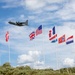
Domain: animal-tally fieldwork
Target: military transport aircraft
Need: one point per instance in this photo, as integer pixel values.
(19, 23)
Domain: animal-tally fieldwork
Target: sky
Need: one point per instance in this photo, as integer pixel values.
(39, 53)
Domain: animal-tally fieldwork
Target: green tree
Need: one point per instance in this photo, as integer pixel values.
(7, 64)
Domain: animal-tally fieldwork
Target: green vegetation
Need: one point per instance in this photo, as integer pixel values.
(7, 69)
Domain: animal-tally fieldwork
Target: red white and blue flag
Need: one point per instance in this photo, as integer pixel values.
(52, 35)
(52, 32)
(39, 30)
(53, 38)
(61, 39)
(7, 36)
(69, 40)
(32, 35)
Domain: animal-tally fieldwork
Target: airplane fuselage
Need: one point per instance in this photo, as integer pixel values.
(19, 23)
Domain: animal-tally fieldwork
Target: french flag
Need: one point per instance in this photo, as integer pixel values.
(52, 35)
(69, 40)
(52, 32)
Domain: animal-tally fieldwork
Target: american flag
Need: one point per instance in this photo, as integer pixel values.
(39, 30)
(7, 36)
(32, 35)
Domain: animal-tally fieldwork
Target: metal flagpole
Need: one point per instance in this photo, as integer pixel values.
(7, 40)
(57, 58)
(0, 59)
(9, 50)
(44, 51)
(44, 59)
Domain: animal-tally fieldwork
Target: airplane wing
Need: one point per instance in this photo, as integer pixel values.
(12, 23)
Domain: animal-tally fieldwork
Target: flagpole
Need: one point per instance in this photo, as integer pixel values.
(9, 50)
(44, 60)
(0, 59)
(57, 59)
(7, 40)
(44, 52)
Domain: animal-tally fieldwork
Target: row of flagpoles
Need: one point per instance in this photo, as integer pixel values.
(52, 36)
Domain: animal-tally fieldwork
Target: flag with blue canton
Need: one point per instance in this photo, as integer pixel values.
(32, 35)
(39, 30)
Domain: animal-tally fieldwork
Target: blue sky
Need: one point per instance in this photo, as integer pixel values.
(40, 52)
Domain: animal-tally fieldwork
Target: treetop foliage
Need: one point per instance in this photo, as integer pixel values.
(7, 69)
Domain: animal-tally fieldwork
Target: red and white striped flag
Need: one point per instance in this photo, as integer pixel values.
(39, 30)
(7, 36)
(32, 35)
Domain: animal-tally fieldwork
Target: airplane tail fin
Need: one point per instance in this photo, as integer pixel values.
(26, 22)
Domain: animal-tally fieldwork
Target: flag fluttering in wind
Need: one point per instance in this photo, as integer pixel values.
(69, 40)
(32, 35)
(61, 39)
(39, 30)
(52, 35)
(7, 36)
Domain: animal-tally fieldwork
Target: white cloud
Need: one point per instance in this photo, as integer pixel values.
(42, 66)
(71, 5)
(28, 58)
(22, 17)
(38, 63)
(51, 8)
(30, 4)
(68, 10)
(25, 59)
(42, 6)
(54, 1)
(34, 4)
(34, 53)
(31, 59)
(31, 17)
(69, 62)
